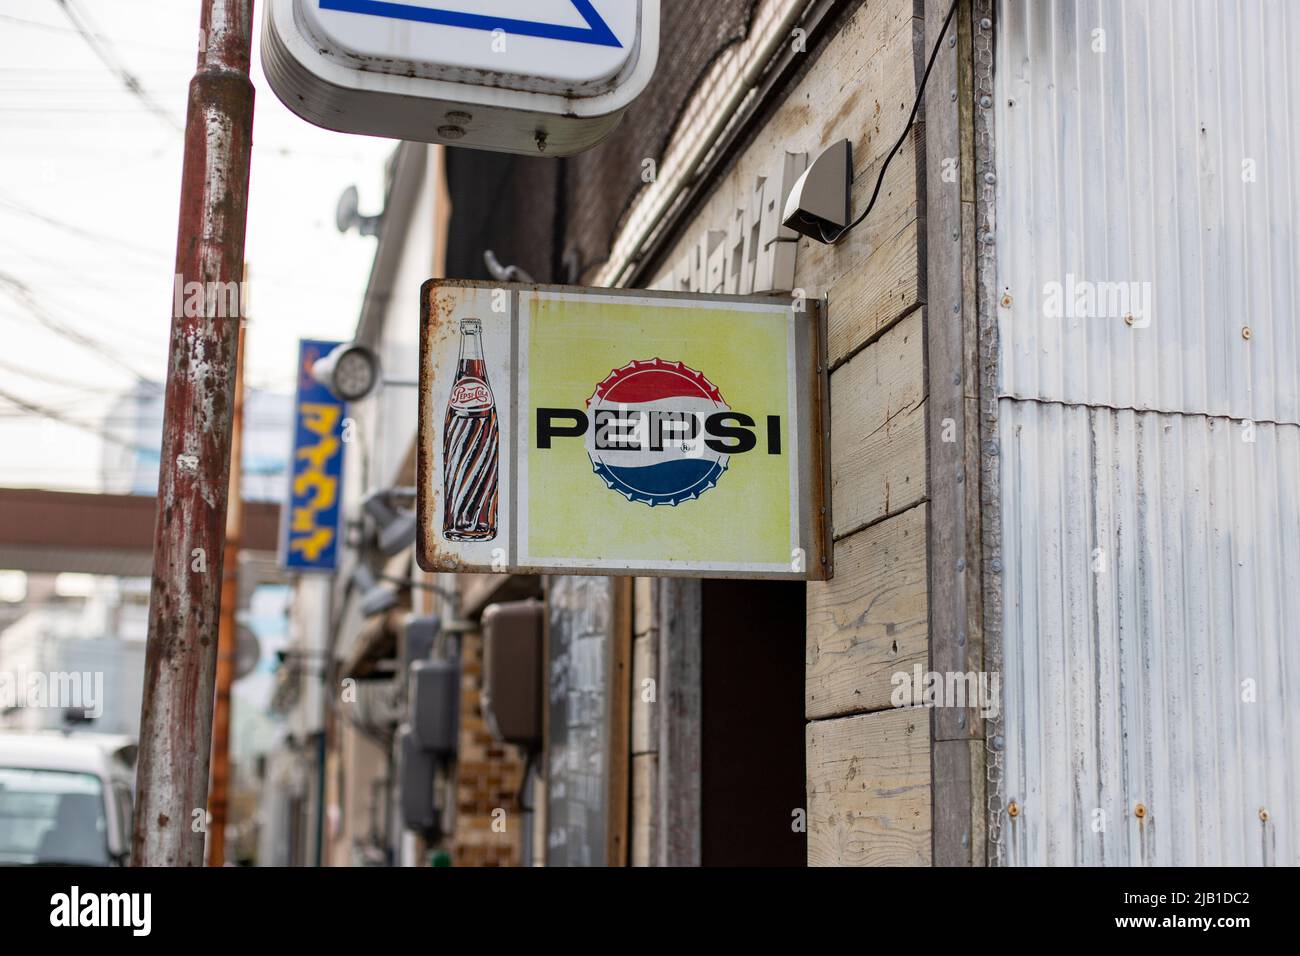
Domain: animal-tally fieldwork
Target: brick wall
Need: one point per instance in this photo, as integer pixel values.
(488, 776)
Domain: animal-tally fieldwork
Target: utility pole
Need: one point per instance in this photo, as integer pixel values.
(228, 640)
(189, 530)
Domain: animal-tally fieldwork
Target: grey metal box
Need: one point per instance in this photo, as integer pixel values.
(435, 705)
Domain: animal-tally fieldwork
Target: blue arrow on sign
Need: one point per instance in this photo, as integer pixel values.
(596, 32)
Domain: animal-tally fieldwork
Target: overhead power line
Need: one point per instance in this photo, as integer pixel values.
(116, 242)
(46, 412)
(24, 296)
(103, 49)
(55, 28)
(56, 380)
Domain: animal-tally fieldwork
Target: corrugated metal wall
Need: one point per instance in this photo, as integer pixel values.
(1148, 245)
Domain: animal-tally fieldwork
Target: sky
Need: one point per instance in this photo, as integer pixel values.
(89, 194)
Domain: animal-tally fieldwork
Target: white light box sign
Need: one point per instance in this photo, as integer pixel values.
(549, 77)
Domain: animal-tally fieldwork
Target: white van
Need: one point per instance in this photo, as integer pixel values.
(65, 799)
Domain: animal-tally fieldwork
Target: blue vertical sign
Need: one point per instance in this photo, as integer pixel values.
(309, 525)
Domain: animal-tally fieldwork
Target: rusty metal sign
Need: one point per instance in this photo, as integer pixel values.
(571, 430)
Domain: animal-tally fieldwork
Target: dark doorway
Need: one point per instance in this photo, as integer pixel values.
(752, 710)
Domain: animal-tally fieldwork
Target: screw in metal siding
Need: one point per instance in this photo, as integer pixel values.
(999, 742)
(986, 24)
(1263, 815)
(1128, 319)
(991, 448)
(961, 564)
(1006, 300)
(961, 638)
(986, 101)
(988, 238)
(1140, 811)
(965, 840)
(952, 41)
(956, 308)
(990, 178)
(451, 132)
(996, 565)
(954, 235)
(1013, 809)
(1245, 332)
(961, 720)
(953, 96)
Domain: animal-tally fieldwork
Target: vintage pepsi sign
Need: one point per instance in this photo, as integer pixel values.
(548, 77)
(618, 432)
(309, 522)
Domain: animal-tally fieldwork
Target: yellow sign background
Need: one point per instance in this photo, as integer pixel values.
(572, 346)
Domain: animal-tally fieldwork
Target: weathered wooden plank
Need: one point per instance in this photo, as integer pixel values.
(953, 446)
(645, 713)
(869, 621)
(951, 764)
(864, 86)
(677, 783)
(878, 429)
(644, 769)
(897, 202)
(869, 790)
(869, 299)
(620, 737)
(643, 610)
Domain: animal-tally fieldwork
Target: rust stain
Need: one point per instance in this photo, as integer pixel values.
(842, 115)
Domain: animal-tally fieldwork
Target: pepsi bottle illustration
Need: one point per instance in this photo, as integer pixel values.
(470, 446)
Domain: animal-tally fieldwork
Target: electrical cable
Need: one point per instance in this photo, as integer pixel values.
(23, 295)
(46, 412)
(934, 55)
(117, 242)
(104, 50)
(55, 28)
(57, 382)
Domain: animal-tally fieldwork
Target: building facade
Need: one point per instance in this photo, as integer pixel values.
(1064, 366)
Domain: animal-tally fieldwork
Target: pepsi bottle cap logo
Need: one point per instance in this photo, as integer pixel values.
(646, 439)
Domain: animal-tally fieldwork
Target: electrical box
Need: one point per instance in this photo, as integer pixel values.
(435, 706)
(512, 672)
(418, 772)
(421, 632)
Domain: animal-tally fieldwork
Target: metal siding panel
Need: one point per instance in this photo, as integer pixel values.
(1123, 666)
(1126, 165)
(1151, 553)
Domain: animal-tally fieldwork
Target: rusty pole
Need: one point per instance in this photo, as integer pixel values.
(228, 638)
(189, 530)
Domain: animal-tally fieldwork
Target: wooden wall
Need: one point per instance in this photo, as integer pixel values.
(645, 724)
(868, 764)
